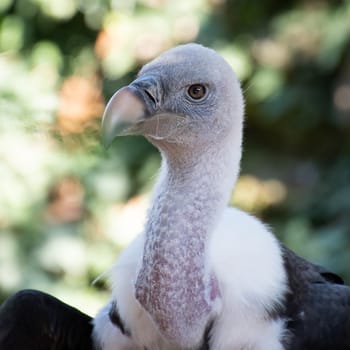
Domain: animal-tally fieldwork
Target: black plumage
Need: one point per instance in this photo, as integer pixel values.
(317, 306)
(116, 320)
(32, 320)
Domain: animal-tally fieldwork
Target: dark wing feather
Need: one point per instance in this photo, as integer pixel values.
(32, 320)
(318, 307)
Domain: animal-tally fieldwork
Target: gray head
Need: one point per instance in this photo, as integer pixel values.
(188, 96)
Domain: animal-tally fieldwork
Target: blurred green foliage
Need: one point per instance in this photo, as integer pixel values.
(67, 207)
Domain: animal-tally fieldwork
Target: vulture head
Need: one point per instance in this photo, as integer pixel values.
(186, 98)
(188, 103)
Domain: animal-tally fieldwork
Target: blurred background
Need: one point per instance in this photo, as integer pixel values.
(67, 207)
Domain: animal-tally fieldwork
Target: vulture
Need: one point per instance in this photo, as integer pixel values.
(201, 275)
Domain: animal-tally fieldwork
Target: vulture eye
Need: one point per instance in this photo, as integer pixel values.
(197, 91)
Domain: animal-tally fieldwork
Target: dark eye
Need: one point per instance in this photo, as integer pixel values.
(197, 91)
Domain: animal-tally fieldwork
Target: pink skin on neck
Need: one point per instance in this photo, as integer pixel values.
(174, 284)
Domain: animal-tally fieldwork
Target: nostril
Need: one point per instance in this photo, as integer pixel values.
(151, 97)
(148, 86)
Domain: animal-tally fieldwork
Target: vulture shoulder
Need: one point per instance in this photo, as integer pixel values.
(318, 306)
(31, 319)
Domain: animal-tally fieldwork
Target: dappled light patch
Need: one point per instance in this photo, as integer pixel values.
(80, 102)
(271, 53)
(186, 28)
(255, 195)
(66, 201)
(342, 98)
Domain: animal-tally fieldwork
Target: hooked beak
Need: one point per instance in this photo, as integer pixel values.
(128, 108)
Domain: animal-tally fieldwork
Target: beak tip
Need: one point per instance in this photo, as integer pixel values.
(107, 137)
(122, 114)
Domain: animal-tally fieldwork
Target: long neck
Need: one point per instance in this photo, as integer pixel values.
(175, 284)
(197, 186)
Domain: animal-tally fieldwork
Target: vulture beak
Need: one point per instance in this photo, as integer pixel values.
(128, 108)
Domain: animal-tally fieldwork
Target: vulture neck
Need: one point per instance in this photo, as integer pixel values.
(175, 283)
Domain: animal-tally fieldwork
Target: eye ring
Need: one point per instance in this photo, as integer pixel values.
(197, 91)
